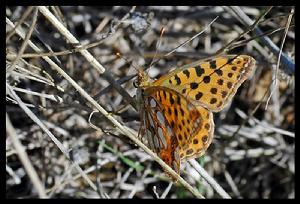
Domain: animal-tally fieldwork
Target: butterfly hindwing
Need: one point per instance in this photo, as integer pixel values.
(200, 141)
(160, 135)
(192, 126)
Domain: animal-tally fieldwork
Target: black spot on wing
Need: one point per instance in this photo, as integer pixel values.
(199, 71)
(194, 85)
(187, 73)
(206, 79)
(198, 95)
(178, 81)
(219, 72)
(212, 64)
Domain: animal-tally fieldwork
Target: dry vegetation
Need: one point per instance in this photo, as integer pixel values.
(53, 151)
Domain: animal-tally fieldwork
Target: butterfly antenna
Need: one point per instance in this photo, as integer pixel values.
(157, 46)
(129, 62)
(183, 44)
(189, 40)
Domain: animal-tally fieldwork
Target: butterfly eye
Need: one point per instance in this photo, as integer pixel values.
(135, 84)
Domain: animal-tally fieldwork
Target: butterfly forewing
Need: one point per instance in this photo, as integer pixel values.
(211, 83)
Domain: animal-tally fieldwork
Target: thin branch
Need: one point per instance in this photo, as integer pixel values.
(245, 41)
(71, 38)
(279, 56)
(105, 73)
(24, 44)
(231, 183)
(33, 117)
(165, 193)
(287, 62)
(48, 96)
(209, 179)
(22, 19)
(82, 47)
(183, 44)
(25, 159)
(251, 27)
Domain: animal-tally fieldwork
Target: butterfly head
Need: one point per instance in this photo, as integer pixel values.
(143, 80)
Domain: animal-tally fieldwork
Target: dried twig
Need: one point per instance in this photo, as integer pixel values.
(288, 64)
(25, 159)
(209, 179)
(45, 129)
(22, 19)
(105, 73)
(24, 44)
(275, 87)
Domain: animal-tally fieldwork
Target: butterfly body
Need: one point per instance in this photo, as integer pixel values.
(176, 109)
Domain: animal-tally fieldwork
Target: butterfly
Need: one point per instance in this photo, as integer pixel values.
(176, 109)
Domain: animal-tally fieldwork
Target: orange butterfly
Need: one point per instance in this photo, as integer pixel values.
(176, 110)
